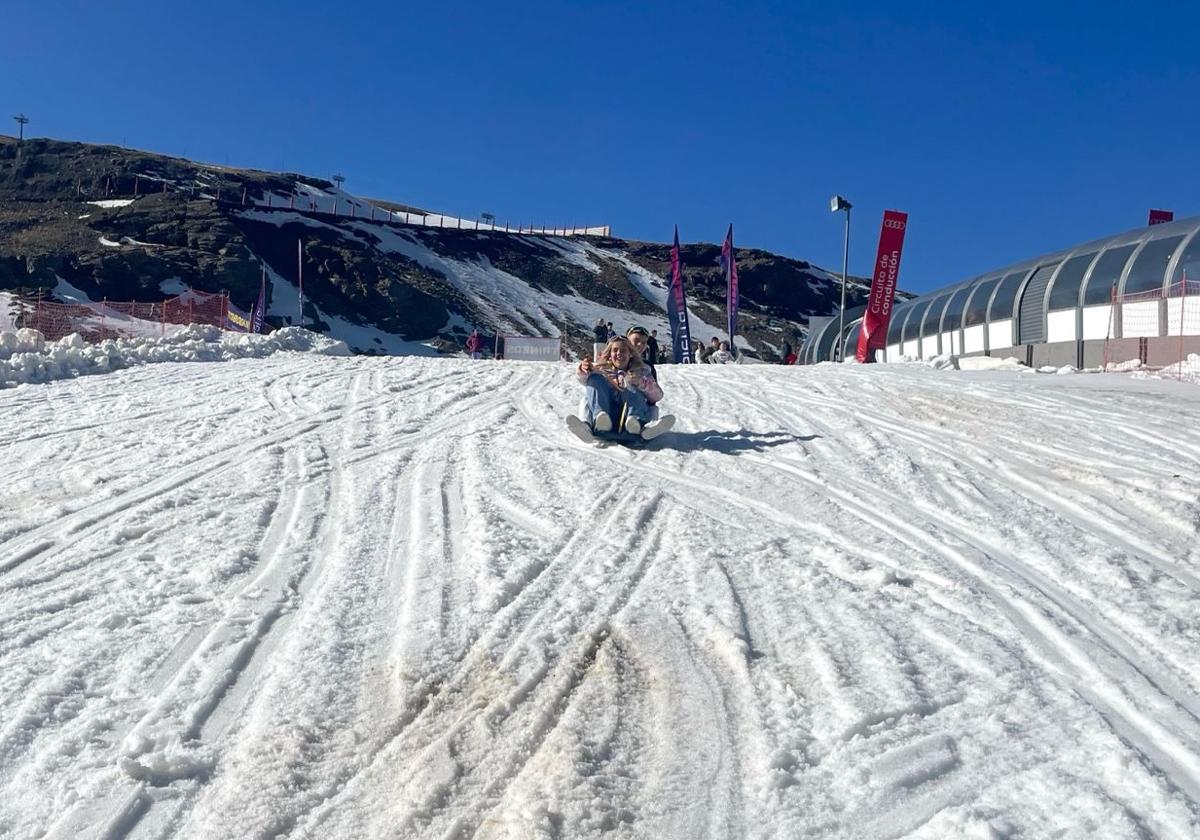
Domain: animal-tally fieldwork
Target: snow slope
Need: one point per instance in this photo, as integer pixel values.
(306, 596)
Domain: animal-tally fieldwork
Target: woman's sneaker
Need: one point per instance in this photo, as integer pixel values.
(633, 425)
(602, 422)
(580, 429)
(657, 427)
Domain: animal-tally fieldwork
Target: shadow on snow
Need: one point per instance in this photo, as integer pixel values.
(742, 440)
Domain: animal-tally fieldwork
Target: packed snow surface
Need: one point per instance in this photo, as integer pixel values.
(316, 597)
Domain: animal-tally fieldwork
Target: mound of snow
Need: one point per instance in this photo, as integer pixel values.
(1187, 371)
(25, 357)
(990, 363)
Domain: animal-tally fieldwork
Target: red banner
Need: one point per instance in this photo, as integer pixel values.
(1157, 217)
(873, 335)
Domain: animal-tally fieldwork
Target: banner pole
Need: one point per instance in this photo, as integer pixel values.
(1112, 311)
(1183, 290)
(300, 278)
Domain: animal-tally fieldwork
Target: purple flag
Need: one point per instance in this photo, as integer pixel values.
(729, 266)
(258, 312)
(681, 336)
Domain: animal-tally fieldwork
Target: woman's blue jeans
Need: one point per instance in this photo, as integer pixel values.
(599, 395)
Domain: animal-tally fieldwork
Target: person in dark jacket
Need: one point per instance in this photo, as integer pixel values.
(600, 331)
(787, 351)
(652, 348)
(640, 339)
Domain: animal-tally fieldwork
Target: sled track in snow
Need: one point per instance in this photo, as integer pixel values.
(832, 603)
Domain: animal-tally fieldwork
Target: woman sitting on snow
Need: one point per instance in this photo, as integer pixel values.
(619, 394)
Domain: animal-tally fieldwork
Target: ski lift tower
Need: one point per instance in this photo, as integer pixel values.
(22, 121)
(339, 180)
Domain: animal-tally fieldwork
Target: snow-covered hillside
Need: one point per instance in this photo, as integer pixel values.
(317, 597)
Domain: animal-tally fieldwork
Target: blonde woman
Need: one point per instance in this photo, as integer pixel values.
(618, 395)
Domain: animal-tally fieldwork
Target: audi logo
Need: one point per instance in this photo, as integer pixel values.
(894, 224)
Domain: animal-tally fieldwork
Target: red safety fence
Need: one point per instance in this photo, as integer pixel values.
(1167, 318)
(96, 322)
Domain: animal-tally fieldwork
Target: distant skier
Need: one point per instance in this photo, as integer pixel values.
(475, 345)
(619, 394)
(786, 354)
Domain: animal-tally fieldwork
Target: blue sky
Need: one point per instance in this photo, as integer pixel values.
(1004, 133)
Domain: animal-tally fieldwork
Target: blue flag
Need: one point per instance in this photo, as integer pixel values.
(258, 312)
(677, 316)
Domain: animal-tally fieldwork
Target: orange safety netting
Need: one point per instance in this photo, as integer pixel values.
(122, 319)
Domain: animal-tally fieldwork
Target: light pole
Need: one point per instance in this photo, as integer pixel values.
(835, 204)
(21, 121)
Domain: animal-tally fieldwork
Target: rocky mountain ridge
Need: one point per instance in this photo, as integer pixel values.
(122, 224)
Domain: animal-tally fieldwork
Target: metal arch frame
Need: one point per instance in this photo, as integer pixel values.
(1173, 263)
(904, 309)
(964, 287)
(1026, 271)
(980, 282)
(1111, 244)
(917, 304)
(923, 307)
(856, 323)
(832, 325)
(1142, 244)
(1081, 251)
(938, 325)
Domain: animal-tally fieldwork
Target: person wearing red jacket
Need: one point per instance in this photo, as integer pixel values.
(475, 345)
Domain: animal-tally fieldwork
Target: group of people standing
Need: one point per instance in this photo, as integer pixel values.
(717, 352)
